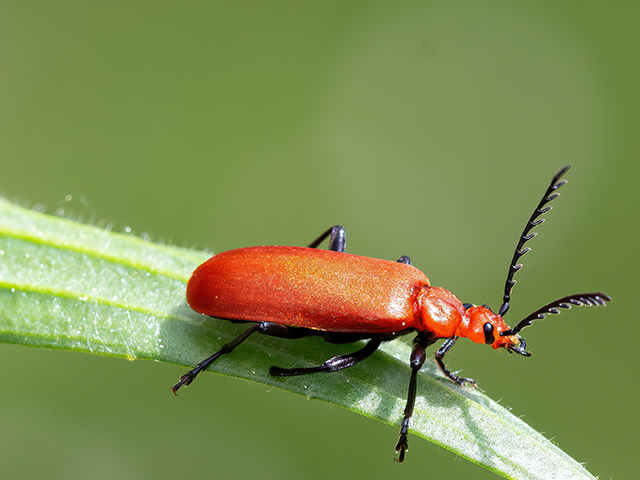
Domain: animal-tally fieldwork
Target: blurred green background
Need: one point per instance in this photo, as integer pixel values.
(427, 128)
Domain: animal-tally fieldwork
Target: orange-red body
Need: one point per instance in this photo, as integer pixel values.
(330, 291)
(296, 292)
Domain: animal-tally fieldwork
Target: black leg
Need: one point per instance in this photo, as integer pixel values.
(188, 377)
(337, 241)
(404, 259)
(334, 364)
(446, 346)
(418, 356)
(265, 328)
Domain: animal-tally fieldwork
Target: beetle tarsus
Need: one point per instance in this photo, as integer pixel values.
(462, 381)
(402, 447)
(185, 380)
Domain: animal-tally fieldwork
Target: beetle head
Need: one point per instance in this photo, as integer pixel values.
(484, 326)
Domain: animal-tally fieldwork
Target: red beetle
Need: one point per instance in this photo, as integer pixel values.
(295, 292)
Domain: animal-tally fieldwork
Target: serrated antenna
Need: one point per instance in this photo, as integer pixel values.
(576, 300)
(535, 220)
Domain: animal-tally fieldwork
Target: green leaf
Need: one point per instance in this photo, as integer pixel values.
(79, 287)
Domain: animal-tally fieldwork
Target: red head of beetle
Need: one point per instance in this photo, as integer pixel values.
(484, 326)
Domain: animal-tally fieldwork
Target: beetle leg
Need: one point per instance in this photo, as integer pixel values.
(404, 259)
(446, 346)
(339, 362)
(188, 377)
(337, 240)
(418, 356)
(265, 328)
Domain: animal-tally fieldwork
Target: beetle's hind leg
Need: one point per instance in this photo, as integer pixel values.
(337, 240)
(188, 377)
(265, 328)
(339, 362)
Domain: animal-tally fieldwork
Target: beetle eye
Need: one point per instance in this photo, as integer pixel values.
(488, 333)
(467, 306)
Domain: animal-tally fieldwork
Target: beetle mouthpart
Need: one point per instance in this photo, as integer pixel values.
(519, 348)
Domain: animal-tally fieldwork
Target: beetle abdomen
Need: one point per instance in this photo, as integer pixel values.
(307, 287)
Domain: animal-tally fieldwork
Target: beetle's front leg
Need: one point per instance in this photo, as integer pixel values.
(446, 346)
